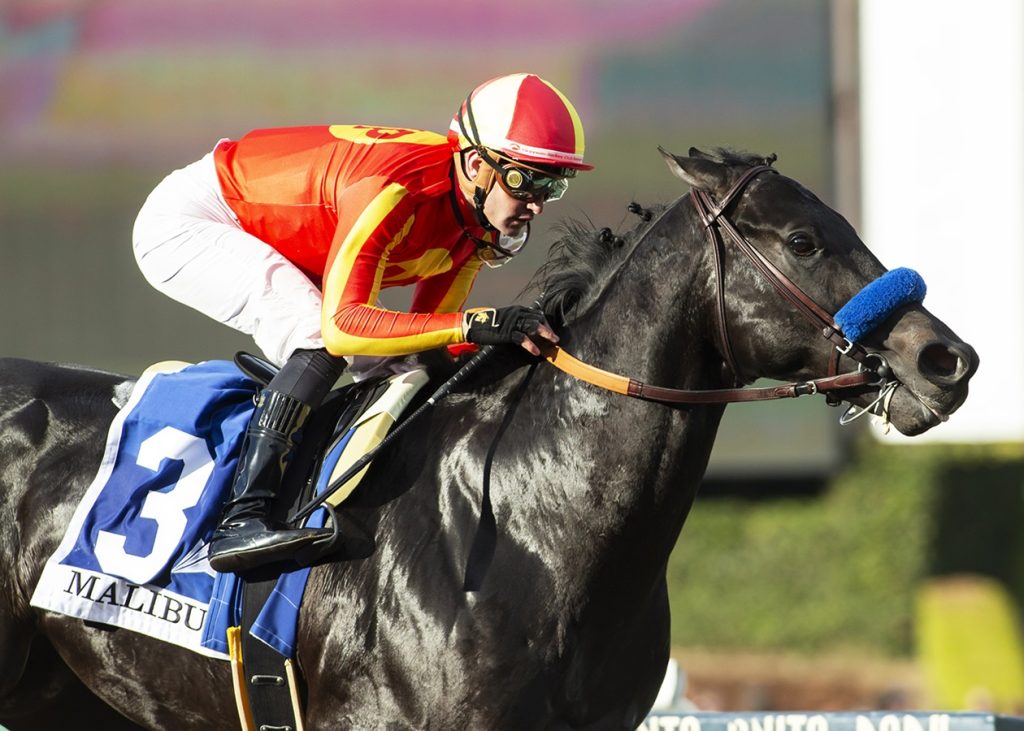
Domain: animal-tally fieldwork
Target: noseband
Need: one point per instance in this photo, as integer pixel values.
(872, 368)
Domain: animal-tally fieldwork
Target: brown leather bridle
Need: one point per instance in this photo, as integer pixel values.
(715, 222)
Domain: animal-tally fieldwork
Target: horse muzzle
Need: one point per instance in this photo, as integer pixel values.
(933, 381)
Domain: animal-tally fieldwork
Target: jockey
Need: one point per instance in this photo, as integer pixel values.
(290, 234)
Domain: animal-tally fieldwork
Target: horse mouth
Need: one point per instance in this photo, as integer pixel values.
(917, 396)
(933, 408)
(913, 413)
(896, 404)
(932, 413)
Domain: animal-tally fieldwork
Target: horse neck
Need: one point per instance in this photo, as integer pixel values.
(624, 472)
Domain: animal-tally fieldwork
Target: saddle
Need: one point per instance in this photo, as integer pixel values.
(350, 423)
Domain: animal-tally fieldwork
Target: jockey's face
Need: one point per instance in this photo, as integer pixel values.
(507, 214)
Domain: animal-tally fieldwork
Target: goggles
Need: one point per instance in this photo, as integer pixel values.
(529, 184)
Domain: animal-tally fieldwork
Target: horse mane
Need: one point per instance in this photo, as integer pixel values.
(582, 260)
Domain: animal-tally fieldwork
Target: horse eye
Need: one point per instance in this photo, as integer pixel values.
(801, 245)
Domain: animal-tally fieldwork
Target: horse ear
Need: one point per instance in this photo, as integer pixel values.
(697, 171)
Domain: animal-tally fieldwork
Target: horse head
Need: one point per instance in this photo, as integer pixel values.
(924, 367)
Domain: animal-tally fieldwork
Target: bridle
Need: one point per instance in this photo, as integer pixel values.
(872, 368)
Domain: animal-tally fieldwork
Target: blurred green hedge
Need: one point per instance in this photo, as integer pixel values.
(838, 572)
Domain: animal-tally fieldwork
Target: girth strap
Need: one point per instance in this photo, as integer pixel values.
(272, 686)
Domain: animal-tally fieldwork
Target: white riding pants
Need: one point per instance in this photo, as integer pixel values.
(190, 246)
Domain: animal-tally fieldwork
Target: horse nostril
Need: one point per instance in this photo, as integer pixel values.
(942, 364)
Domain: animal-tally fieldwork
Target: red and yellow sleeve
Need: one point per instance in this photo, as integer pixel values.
(446, 292)
(375, 216)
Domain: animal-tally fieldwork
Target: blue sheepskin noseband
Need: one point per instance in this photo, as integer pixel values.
(877, 300)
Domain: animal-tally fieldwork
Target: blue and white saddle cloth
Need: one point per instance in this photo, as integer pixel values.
(134, 554)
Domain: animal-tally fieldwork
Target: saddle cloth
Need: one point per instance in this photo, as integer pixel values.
(135, 552)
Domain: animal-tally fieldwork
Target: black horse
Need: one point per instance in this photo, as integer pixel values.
(570, 626)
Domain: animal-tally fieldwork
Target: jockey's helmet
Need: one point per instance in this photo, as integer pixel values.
(527, 132)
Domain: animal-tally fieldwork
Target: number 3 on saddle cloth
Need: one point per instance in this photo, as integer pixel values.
(134, 554)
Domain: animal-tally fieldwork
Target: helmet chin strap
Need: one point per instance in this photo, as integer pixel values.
(482, 185)
(484, 180)
(476, 189)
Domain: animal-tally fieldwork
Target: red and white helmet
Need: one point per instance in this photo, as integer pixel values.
(523, 117)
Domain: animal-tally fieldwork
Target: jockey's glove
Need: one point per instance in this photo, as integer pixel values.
(502, 325)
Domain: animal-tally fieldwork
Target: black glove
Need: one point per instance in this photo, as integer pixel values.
(502, 326)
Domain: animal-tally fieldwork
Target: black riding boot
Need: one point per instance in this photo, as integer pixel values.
(246, 537)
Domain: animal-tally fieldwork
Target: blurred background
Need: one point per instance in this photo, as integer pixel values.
(823, 567)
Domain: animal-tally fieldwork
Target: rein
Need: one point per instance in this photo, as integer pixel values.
(872, 370)
(626, 386)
